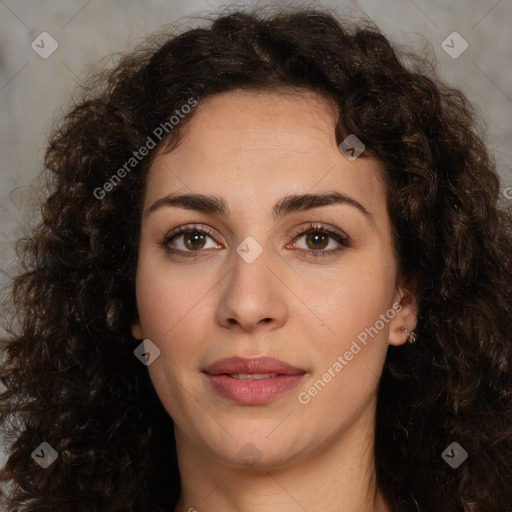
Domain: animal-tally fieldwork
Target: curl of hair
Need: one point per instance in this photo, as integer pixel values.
(69, 372)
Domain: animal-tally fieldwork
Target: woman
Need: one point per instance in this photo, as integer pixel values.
(272, 274)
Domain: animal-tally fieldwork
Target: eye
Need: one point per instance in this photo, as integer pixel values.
(189, 240)
(317, 239)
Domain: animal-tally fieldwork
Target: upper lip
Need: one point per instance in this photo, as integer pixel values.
(232, 365)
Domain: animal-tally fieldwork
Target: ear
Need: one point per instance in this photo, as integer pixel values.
(136, 327)
(406, 307)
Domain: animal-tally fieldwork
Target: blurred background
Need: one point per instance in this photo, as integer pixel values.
(48, 46)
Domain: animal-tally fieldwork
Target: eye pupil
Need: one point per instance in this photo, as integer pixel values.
(317, 237)
(192, 238)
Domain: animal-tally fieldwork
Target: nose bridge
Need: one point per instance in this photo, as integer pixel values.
(250, 275)
(251, 292)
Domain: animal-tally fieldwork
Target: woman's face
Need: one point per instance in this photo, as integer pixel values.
(245, 283)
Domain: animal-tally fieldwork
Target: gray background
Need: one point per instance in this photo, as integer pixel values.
(34, 90)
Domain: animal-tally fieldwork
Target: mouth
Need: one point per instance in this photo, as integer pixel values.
(254, 381)
(255, 367)
(252, 376)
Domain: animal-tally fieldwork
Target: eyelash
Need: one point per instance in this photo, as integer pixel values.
(344, 241)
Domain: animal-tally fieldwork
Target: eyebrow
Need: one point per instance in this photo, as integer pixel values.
(296, 202)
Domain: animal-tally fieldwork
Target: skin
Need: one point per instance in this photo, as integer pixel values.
(252, 149)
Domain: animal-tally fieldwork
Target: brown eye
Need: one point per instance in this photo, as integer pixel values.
(317, 240)
(190, 240)
(194, 240)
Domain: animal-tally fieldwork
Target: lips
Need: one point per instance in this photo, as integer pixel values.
(252, 381)
(260, 365)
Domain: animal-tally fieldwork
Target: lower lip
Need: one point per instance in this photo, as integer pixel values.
(253, 392)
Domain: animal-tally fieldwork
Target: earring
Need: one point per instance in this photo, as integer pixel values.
(411, 336)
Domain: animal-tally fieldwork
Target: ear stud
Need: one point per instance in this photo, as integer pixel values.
(411, 336)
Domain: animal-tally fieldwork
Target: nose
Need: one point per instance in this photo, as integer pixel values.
(252, 296)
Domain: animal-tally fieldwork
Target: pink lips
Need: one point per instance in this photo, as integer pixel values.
(252, 381)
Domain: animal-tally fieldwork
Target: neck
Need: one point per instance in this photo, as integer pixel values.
(338, 476)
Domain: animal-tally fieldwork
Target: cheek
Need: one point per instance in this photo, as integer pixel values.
(349, 356)
(153, 297)
(353, 298)
(162, 290)
(171, 302)
(170, 307)
(351, 311)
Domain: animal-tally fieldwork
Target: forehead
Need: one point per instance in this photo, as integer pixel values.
(245, 143)
(247, 121)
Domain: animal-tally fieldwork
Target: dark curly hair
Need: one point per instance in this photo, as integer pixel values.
(69, 373)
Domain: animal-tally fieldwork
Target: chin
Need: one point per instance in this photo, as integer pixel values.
(262, 447)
